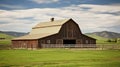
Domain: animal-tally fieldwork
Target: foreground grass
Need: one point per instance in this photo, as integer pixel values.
(59, 58)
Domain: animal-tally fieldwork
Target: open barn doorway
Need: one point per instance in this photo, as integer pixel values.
(69, 43)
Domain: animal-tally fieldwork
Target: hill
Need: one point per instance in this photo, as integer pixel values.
(7, 36)
(106, 34)
(5, 39)
(15, 34)
(96, 37)
(99, 40)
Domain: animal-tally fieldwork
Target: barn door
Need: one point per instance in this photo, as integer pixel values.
(41, 43)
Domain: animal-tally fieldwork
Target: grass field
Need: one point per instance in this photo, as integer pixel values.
(60, 58)
(7, 40)
(5, 36)
(5, 43)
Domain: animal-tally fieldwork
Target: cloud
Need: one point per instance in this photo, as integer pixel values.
(44, 1)
(20, 27)
(95, 18)
(12, 6)
(117, 13)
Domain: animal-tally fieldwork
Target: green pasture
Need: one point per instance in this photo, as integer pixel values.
(59, 58)
(7, 40)
(5, 36)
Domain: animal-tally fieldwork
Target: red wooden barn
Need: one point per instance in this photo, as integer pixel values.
(55, 33)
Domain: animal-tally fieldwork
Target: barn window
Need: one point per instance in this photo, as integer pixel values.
(48, 41)
(42, 42)
(86, 41)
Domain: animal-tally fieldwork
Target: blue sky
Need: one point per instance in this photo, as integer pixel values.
(91, 15)
(28, 4)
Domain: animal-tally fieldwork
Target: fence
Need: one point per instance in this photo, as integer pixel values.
(86, 46)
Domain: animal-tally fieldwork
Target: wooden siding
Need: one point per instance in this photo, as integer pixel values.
(25, 44)
(69, 30)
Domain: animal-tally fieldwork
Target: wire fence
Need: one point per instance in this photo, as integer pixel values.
(71, 46)
(83, 46)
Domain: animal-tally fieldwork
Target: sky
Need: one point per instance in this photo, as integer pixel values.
(91, 15)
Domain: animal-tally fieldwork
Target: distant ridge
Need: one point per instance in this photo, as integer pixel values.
(12, 33)
(105, 34)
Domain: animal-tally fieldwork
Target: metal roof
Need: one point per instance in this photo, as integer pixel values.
(51, 23)
(33, 36)
(44, 29)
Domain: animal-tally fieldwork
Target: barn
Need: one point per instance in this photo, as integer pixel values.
(55, 33)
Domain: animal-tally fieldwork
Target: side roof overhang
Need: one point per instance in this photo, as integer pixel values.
(88, 37)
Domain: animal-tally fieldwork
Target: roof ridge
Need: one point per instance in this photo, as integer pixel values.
(49, 23)
(56, 20)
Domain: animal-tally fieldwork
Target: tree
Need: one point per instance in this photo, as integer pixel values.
(108, 40)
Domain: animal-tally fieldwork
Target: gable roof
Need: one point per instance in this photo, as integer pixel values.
(48, 27)
(32, 37)
(44, 29)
